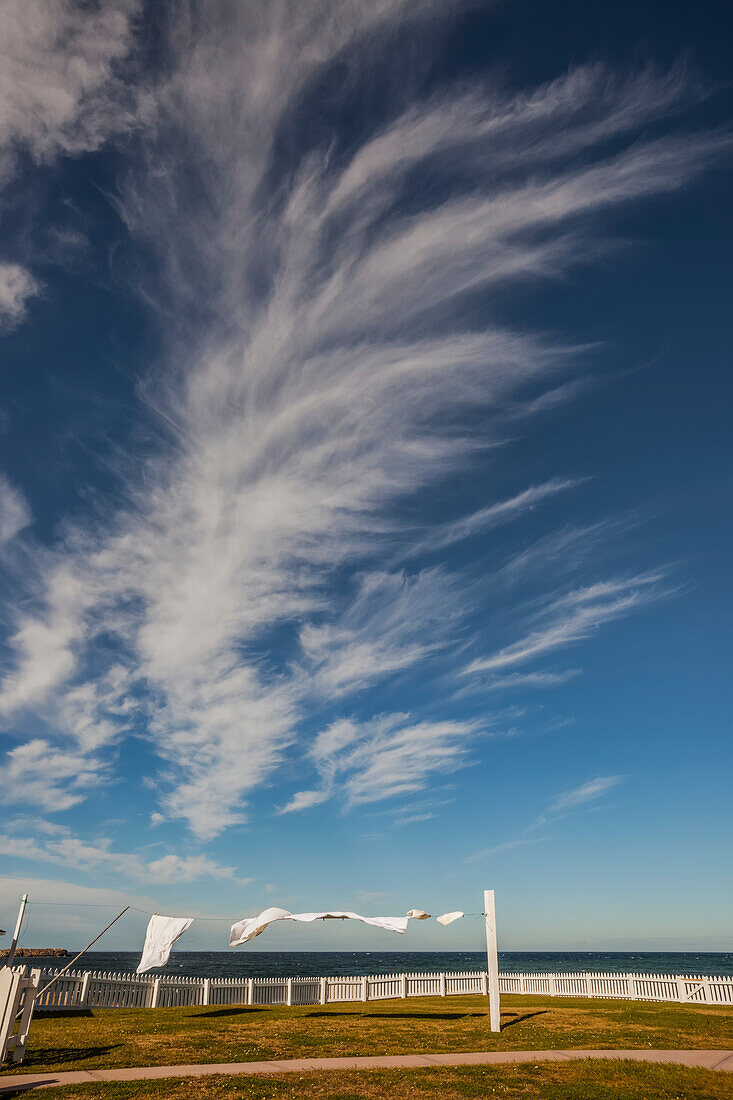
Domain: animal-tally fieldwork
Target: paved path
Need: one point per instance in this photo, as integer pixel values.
(704, 1059)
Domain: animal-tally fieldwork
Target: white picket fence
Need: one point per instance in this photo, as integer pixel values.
(96, 990)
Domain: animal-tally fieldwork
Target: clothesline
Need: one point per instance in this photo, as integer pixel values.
(163, 931)
(149, 912)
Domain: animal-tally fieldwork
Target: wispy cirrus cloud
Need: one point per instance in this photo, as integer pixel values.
(15, 513)
(563, 804)
(586, 792)
(388, 756)
(393, 622)
(60, 95)
(572, 617)
(37, 773)
(318, 375)
(493, 515)
(59, 92)
(17, 287)
(531, 680)
(505, 846)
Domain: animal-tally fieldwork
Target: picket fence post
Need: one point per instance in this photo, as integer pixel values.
(403, 985)
(154, 998)
(442, 985)
(289, 991)
(323, 991)
(206, 994)
(84, 990)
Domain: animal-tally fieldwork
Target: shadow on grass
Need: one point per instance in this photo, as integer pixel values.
(55, 1056)
(225, 1012)
(520, 1019)
(399, 1015)
(60, 1013)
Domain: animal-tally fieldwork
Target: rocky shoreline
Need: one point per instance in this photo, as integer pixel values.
(34, 952)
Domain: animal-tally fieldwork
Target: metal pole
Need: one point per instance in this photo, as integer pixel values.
(16, 933)
(492, 958)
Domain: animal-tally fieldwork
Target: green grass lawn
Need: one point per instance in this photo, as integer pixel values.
(175, 1036)
(586, 1080)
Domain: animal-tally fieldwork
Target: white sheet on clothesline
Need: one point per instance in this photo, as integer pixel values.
(162, 933)
(448, 918)
(250, 927)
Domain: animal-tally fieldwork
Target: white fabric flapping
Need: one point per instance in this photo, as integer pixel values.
(162, 933)
(250, 927)
(448, 918)
(418, 914)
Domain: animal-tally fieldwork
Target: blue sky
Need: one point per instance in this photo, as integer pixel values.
(365, 468)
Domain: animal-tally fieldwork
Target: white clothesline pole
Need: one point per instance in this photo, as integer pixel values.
(16, 933)
(492, 958)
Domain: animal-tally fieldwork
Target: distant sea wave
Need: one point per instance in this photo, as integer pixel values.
(278, 964)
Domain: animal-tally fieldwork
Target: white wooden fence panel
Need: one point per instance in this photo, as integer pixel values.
(343, 989)
(269, 991)
(721, 992)
(384, 987)
(456, 984)
(229, 991)
(65, 993)
(306, 991)
(105, 990)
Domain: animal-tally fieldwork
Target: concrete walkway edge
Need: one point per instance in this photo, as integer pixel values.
(698, 1059)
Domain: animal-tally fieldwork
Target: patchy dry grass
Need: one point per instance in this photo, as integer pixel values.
(584, 1080)
(176, 1036)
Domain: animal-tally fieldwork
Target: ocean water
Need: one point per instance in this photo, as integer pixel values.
(293, 964)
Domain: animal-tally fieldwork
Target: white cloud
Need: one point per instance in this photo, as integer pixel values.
(570, 800)
(388, 756)
(587, 792)
(44, 644)
(37, 773)
(530, 680)
(413, 819)
(493, 515)
(60, 95)
(17, 287)
(319, 376)
(305, 800)
(572, 617)
(58, 92)
(393, 622)
(499, 849)
(69, 851)
(563, 551)
(14, 511)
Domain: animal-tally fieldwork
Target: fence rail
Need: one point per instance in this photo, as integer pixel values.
(89, 989)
